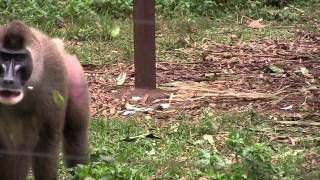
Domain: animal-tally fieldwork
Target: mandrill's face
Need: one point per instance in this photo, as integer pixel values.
(15, 70)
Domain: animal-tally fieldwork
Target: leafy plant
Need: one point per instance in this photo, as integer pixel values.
(42, 12)
(252, 161)
(104, 170)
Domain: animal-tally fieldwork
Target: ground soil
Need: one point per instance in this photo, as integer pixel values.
(273, 76)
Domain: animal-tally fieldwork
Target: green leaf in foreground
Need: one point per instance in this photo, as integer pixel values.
(58, 98)
(275, 69)
(115, 31)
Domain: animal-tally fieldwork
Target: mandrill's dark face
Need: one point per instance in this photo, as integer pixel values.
(15, 70)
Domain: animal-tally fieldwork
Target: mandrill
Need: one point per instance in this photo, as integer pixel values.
(43, 99)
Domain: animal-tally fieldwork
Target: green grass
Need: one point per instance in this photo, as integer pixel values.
(97, 46)
(220, 146)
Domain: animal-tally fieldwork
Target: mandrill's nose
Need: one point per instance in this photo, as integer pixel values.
(8, 81)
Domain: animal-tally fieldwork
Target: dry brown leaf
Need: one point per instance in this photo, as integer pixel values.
(144, 100)
(202, 178)
(121, 78)
(273, 138)
(256, 24)
(113, 110)
(292, 141)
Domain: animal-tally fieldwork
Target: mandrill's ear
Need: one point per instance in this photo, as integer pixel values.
(15, 36)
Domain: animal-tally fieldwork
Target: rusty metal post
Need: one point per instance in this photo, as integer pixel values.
(144, 44)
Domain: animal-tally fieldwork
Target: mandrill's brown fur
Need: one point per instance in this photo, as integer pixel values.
(31, 130)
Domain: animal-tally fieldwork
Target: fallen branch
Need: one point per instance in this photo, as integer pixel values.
(300, 123)
(219, 93)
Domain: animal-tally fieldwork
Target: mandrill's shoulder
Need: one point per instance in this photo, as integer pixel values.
(74, 69)
(40, 35)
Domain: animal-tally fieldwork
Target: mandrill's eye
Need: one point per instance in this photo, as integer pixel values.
(22, 71)
(6, 57)
(20, 57)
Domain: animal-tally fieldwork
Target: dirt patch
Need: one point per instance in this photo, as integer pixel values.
(276, 76)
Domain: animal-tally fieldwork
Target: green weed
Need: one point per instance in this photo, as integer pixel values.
(221, 146)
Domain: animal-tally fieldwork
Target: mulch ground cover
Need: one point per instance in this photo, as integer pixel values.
(273, 76)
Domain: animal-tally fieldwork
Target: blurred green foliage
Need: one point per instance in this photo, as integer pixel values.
(57, 11)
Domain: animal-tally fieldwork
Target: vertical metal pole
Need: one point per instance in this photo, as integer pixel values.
(144, 44)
